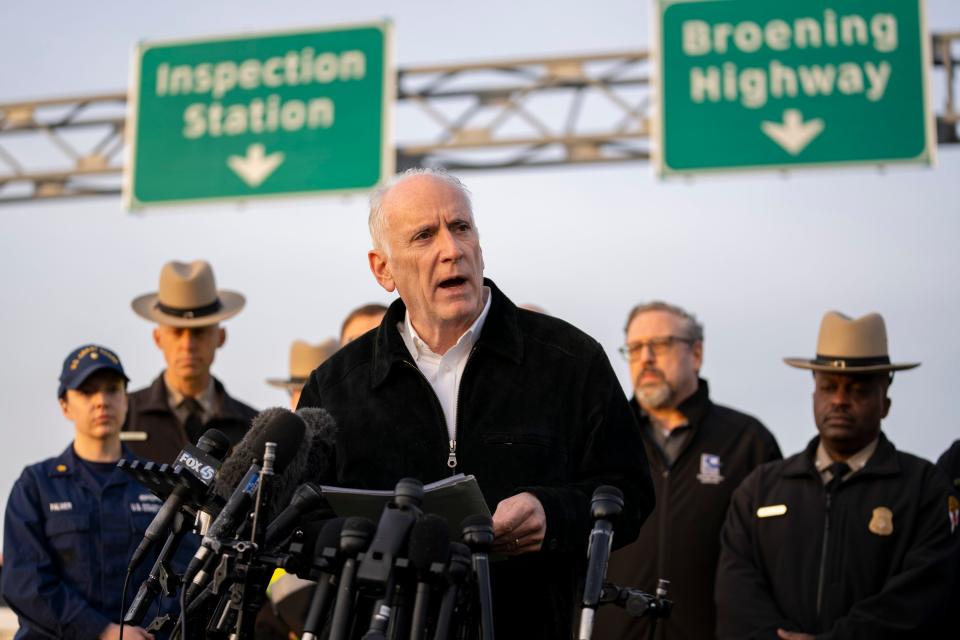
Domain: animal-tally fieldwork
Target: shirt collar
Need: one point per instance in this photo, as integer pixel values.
(206, 399)
(856, 462)
(418, 348)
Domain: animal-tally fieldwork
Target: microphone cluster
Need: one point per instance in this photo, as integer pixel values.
(402, 578)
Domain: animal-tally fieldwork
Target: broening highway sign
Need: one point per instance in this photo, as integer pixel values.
(261, 115)
(761, 84)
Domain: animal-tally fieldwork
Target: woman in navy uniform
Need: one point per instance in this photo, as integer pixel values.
(73, 520)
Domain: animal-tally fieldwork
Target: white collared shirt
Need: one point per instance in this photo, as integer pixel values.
(444, 372)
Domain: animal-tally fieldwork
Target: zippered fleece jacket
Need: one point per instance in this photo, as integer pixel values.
(539, 410)
(680, 541)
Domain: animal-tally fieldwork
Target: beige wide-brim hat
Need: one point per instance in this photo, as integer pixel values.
(188, 297)
(847, 345)
(304, 358)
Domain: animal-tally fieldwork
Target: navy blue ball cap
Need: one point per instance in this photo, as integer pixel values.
(85, 361)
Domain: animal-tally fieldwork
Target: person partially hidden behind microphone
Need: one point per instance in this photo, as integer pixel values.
(456, 379)
(72, 521)
(185, 400)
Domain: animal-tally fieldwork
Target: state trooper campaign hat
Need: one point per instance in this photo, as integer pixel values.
(83, 362)
(188, 297)
(304, 358)
(847, 345)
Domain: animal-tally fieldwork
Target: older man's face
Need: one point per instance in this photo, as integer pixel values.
(848, 409)
(434, 257)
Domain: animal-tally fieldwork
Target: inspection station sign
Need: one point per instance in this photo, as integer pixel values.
(763, 84)
(260, 115)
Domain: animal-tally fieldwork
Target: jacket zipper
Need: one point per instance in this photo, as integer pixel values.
(823, 551)
(443, 421)
(452, 456)
(451, 444)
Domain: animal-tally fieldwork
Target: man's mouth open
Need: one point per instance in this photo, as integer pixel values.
(452, 283)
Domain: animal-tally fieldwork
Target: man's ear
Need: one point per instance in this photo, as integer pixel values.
(886, 407)
(156, 337)
(221, 336)
(697, 349)
(380, 269)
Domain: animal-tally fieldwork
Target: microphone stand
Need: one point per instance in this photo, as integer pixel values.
(253, 585)
(161, 579)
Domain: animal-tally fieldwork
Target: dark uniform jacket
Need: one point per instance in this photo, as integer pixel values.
(66, 542)
(150, 412)
(539, 410)
(949, 464)
(881, 552)
(680, 541)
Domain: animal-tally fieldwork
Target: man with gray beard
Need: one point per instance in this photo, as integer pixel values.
(698, 453)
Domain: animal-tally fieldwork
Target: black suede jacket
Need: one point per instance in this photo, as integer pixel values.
(539, 409)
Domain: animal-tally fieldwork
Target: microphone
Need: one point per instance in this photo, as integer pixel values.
(202, 461)
(325, 559)
(377, 569)
(354, 540)
(429, 553)
(457, 572)
(307, 497)
(478, 534)
(280, 426)
(605, 508)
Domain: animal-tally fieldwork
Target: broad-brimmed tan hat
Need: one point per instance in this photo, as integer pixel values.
(848, 345)
(188, 297)
(304, 358)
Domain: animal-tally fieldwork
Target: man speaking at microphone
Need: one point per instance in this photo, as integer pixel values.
(457, 379)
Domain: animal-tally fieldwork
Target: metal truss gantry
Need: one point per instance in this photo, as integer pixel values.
(505, 114)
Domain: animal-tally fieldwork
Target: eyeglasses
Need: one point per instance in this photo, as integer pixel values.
(659, 346)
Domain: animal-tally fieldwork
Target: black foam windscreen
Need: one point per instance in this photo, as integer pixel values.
(217, 443)
(283, 427)
(429, 542)
(272, 425)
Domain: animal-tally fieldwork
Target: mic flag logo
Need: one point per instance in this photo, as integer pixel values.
(198, 463)
(710, 469)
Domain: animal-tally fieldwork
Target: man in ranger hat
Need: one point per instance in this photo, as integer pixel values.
(304, 358)
(850, 538)
(185, 400)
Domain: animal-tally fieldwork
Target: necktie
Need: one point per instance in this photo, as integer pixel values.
(193, 425)
(839, 470)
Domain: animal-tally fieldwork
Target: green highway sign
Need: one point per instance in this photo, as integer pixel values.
(763, 84)
(260, 115)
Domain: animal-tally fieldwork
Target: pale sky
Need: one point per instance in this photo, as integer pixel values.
(759, 257)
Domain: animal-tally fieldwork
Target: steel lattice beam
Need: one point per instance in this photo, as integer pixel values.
(491, 115)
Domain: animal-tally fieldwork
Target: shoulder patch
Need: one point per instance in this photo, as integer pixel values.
(953, 512)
